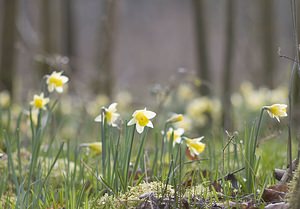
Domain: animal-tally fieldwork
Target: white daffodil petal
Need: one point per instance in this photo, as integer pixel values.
(149, 114)
(150, 124)
(59, 89)
(64, 79)
(199, 139)
(180, 131)
(139, 128)
(98, 118)
(131, 122)
(135, 112)
(114, 117)
(112, 107)
(50, 88)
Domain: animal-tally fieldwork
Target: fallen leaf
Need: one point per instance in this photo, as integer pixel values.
(275, 193)
(280, 205)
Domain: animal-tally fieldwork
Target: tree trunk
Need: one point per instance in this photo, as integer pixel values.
(104, 81)
(201, 40)
(7, 45)
(267, 9)
(67, 28)
(44, 68)
(228, 59)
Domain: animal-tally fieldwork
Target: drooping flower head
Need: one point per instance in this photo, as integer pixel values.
(195, 145)
(95, 147)
(176, 134)
(142, 118)
(175, 118)
(39, 102)
(55, 81)
(276, 111)
(111, 115)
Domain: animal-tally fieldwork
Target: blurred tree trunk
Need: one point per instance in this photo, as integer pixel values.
(104, 81)
(44, 68)
(228, 59)
(7, 44)
(68, 31)
(201, 41)
(269, 50)
(67, 25)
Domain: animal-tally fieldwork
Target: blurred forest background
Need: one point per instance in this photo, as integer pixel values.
(105, 46)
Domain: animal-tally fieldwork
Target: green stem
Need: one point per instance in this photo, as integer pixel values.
(128, 158)
(162, 148)
(141, 148)
(289, 146)
(257, 129)
(103, 139)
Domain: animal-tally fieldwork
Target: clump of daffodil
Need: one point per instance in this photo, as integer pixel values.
(94, 147)
(4, 99)
(175, 118)
(142, 118)
(176, 134)
(55, 81)
(276, 111)
(254, 99)
(195, 145)
(201, 108)
(39, 102)
(111, 115)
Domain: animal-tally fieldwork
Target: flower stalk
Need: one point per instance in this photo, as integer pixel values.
(257, 129)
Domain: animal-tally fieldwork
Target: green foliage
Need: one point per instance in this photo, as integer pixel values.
(44, 166)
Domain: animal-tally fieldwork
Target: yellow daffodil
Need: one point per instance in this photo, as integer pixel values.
(195, 145)
(4, 99)
(175, 118)
(142, 118)
(111, 115)
(177, 135)
(55, 81)
(39, 102)
(95, 147)
(276, 111)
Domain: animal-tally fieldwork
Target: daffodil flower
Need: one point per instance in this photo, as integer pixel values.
(55, 81)
(4, 99)
(39, 102)
(175, 118)
(142, 118)
(195, 145)
(111, 115)
(177, 135)
(95, 147)
(276, 111)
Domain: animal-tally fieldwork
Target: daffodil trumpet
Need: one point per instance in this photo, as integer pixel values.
(195, 145)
